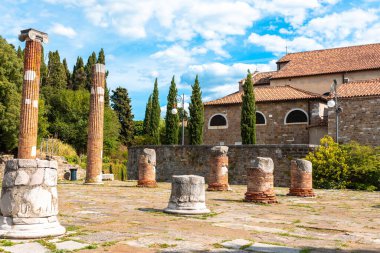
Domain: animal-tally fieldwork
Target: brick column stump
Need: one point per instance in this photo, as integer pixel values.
(260, 182)
(188, 195)
(95, 126)
(218, 177)
(29, 200)
(147, 169)
(301, 178)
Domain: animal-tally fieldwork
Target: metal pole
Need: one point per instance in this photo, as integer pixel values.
(336, 112)
(183, 119)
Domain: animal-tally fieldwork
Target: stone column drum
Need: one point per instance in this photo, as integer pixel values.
(95, 126)
(147, 169)
(27, 144)
(260, 181)
(218, 177)
(301, 178)
(29, 200)
(187, 196)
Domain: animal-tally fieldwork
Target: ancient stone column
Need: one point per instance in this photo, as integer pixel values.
(187, 196)
(260, 181)
(29, 200)
(95, 126)
(27, 145)
(218, 177)
(301, 178)
(147, 168)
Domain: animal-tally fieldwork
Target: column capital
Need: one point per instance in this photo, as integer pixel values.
(32, 34)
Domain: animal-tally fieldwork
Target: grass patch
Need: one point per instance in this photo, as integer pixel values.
(178, 239)
(205, 216)
(217, 245)
(72, 228)
(4, 251)
(274, 243)
(305, 250)
(246, 246)
(51, 246)
(91, 246)
(298, 236)
(296, 221)
(107, 244)
(6, 243)
(162, 245)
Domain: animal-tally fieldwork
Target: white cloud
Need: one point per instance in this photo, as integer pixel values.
(277, 44)
(174, 55)
(62, 30)
(339, 26)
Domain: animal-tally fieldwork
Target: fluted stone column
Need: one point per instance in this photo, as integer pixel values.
(187, 196)
(95, 126)
(29, 200)
(260, 181)
(147, 169)
(27, 145)
(301, 178)
(218, 177)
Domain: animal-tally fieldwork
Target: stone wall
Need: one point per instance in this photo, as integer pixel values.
(182, 160)
(275, 131)
(359, 120)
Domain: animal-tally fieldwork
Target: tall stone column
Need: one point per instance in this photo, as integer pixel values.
(218, 177)
(147, 169)
(301, 178)
(29, 198)
(95, 126)
(27, 145)
(260, 181)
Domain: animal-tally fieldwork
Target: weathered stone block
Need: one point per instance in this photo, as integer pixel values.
(27, 163)
(43, 163)
(11, 165)
(301, 183)
(22, 178)
(37, 178)
(9, 179)
(50, 177)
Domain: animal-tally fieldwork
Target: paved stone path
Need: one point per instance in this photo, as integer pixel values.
(119, 217)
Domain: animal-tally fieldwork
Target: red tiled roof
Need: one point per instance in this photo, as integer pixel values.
(360, 89)
(335, 60)
(266, 94)
(260, 78)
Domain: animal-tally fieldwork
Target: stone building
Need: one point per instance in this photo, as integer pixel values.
(291, 102)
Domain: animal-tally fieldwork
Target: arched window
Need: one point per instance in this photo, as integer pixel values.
(218, 121)
(260, 118)
(296, 116)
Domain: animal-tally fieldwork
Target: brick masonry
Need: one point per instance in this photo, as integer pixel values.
(186, 160)
(275, 131)
(359, 120)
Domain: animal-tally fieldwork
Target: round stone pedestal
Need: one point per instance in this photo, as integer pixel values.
(29, 200)
(147, 169)
(187, 196)
(260, 182)
(218, 177)
(301, 178)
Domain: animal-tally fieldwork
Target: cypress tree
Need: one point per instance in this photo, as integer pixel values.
(171, 120)
(155, 116)
(88, 69)
(122, 107)
(43, 68)
(248, 112)
(79, 75)
(20, 53)
(196, 120)
(68, 74)
(56, 72)
(148, 114)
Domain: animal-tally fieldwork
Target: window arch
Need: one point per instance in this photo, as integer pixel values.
(296, 116)
(260, 118)
(218, 121)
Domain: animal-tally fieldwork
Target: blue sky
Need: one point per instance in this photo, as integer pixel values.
(216, 39)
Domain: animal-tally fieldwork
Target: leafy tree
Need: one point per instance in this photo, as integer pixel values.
(68, 74)
(88, 69)
(248, 112)
(20, 53)
(43, 68)
(11, 78)
(122, 107)
(155, 116)
(148, 115)
(111, 131)
(43, 123)
(79, 75)
(171, 120)
(138, 128)
(196, 119)
(56, 72)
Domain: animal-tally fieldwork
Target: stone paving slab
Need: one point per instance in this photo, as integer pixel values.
(236, 244)
(70, 245)
(32, 247)
(268, 248)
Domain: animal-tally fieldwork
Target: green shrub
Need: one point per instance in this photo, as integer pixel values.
(350, 165)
